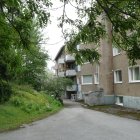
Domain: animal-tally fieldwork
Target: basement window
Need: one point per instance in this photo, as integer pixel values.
(119, 100)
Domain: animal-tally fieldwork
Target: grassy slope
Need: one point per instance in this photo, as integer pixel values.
(26, 105)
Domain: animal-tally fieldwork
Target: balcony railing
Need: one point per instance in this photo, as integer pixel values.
(61, 61)
(72, 88)
(61, 74)
(69, 58)
(71, 72)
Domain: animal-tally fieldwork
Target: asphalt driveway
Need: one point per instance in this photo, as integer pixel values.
(77, 123)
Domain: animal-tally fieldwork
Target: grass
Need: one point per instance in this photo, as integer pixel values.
(118, 111)
(26, 106)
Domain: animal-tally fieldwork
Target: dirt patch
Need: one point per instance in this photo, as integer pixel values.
(117, 110)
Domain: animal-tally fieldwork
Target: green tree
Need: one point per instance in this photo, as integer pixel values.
(34, 68)
(124, 17)
(21, 58)
(16, 18)
(17, 32)
(56, 86)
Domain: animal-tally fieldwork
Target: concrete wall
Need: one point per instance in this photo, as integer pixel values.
(86, 69)
(105, 66)
(106, 62)
(98, 98)
(125, 88)
(109, 99)
(79, 95)
(131, 102)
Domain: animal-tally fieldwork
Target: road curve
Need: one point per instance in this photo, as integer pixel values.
(77, 123)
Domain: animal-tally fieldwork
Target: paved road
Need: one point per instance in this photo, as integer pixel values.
(77, 123)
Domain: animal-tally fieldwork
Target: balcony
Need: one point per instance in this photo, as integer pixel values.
(72, 88)
(71, 72)
(69, 58)
(61, 74)
(61, 61)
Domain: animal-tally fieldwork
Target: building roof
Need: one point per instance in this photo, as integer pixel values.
(59, 52)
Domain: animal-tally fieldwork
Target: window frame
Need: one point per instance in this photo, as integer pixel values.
(120, 100)
(115, 76)
(96, 75)
(130, 77)
(87, 83)
(116, 51)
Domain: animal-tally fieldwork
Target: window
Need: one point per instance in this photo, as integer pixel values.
(78, 47)
(116, 51)
(134, 74)
(119, 100)
(96, 75)
(87, 79)
(118, 76)
(78, 68)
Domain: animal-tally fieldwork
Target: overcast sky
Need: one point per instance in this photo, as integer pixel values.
(53, 32)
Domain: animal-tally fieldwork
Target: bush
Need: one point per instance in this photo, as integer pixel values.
(5, 91)
(17, 101)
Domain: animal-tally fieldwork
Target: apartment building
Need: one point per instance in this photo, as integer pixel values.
(126, 80)
(111, 81)
(119, 82)
(66, 67)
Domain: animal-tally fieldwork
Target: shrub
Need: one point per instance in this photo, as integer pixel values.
(28, 107)
(17, 101)
(5, 91)
(57, 86)
(47, 108)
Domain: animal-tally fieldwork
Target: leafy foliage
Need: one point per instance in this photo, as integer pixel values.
(25, 106)
(30, 100)
(17, 15)
(123, 16)
(5, 91)
(33, 68)
(57, 85)
(21, 58)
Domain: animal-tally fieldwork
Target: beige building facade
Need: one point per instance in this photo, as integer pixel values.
(126, 81)
(111, 81)
(118, 82)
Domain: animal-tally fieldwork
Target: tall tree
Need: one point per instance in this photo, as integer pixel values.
(19, 41)
(56, 86)
(17, 31)
(16, 16)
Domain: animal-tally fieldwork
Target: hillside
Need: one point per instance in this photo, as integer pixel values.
(25, 106)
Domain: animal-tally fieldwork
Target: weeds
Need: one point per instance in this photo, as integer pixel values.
(25, 106)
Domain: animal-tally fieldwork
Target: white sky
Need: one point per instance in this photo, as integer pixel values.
(53, 32)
